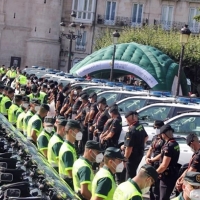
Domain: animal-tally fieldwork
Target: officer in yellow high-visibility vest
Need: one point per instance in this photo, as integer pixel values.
(67, 153)
(56, 142)
(1, 92)
(190, 187)
(139, 185)
(22, 79)
(6, 101)
(34, 107)
(35, 124)
(21, 112)
(103, 184)
(82, 169)
(38, 95)
(12, 111)
(2, 71)
(45, 135)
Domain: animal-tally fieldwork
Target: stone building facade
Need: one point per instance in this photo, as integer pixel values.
(30, 29)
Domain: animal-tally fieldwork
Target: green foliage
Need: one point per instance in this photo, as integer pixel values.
(166, 41)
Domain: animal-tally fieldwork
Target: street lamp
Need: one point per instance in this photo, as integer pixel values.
(116, 35)
(70, 36)
(184, 37)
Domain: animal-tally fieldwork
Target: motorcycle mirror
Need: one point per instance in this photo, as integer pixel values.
(6, 177)
(12, 193)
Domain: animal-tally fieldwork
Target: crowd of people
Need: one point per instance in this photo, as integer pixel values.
(80, 141)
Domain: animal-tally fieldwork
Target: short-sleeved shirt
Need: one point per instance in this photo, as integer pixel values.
(56, 147)
(157, 144)
(171, 149)
(84, 111)
(104, 185)
(195, 161)
(84, 173)
(66, 101)
(37, 124)
(93, 107)
(60, 98)
(101, 120)
(43, 141)
(68, 158)
(135, 138)
(116, 128)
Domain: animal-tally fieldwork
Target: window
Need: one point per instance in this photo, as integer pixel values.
(110, 12)
(84, 9)
(186, 124)
(155, 113)
(137, 15)
(131, 104)
(166, 17)
(193, 24)
(81, 42)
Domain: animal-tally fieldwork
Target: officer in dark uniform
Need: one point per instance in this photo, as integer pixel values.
(154, 150)
(101, 117)
(92, 113)
(194, 164)
(135, 140)
(168, 162)
(111, 135)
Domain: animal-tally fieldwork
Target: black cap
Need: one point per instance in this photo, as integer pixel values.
(52, 85)
(190, 138)
(84, 96)
(102, 100)
(49, 120)
(46, 107)
(158, 123)
(62, 122)
(151, 171)
(65, 89)
(73, 124)
(193, 178)
(130, 113)
(6, 88)
(59, 117)
(26, 99)
(11, 90)
(91, 144)
(113, 110)
(34, 88)
(113, 105)
(81, 93)
(35, 101)
(46, 81)
(60, 84)
(113, 152)
(78, 87)
(44, 85)
(1, 87)
(18, 97)
(166, 128)
(92, 94)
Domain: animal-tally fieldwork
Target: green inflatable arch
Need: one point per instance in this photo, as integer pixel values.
(157, 69)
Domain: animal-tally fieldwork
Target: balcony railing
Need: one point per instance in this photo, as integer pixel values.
(166, 25)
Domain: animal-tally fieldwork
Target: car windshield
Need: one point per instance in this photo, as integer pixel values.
(153, 113)
(131, 104)
(186, 124)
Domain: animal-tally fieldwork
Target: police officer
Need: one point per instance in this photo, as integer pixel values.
(35, 124)
(38, 95)
(6, 101)
(82, 169)
(191, 187)
(12, 111)
(168, 162)
(194, 164)
(135, 140)
(111, 135)
(34, 106)
(45, 135)
(56, 142)
(103, 184)
(101, 117)
(92, 113)
(134, 188)
(20, 115)
(67, 153)
(21, 79)
(1, 93)
(154, 150)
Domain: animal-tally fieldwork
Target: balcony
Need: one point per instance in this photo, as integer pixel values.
(166, 25)
(85, 17)
(118, 21)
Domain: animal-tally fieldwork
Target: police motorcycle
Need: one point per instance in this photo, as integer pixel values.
(24, 172)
